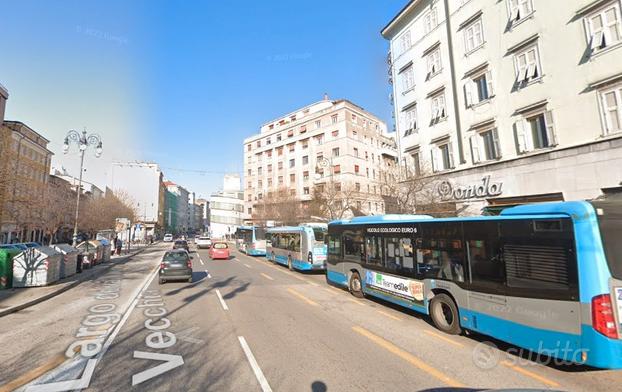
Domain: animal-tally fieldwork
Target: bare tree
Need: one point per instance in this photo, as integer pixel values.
(335, 200)
(280, 206)
(100, 213)
(58, 208)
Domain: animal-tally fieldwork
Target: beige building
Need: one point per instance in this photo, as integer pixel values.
(24, 173)
(328, 143)
(4, 95)
(509, 101)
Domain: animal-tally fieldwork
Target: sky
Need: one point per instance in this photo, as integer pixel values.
(184, 83)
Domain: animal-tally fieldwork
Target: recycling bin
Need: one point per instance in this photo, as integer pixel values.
(89, 254)
(69, 259)
(106, 249)
(6, 267)
(99, 250)
(38, 266)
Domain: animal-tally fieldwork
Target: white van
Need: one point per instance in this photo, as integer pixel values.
(168, 238)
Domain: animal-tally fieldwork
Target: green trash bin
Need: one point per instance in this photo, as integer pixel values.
(6, 267)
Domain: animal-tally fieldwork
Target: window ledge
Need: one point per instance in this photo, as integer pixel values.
(431, 75)
(539, 79)
(475, 49)
(537, 150)
(608, 49)
(482, 102)
(408, 90)
(521, 20)
(436, 121)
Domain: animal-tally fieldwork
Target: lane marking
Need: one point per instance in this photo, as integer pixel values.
(444, 338)
(265, 387)
(222, 301)
(312, 283)
(266, 276)
(408, 357)
(527, 373)
(389, 315)
(36, 372)
(201, 260)
(302, 297)
(247, 266)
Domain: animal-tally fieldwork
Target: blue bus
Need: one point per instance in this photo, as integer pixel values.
(298, 247)
(544, 277)
(251, 240)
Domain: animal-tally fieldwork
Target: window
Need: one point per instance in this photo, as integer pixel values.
(290, 133)
(430, 21)
(271, 126)
(249, 172)
(335, 133)
(259, 170)
(259, 184)
(473, 36)
(268, 141)
(292, 163)
(353, 246)
(604, 27)
(292, 177)
(280, 180)
(356, 152)
(527, 66)
(337, 169)
(250, 197)
(442, 157)
(319, 139)
(434, 62)
(291, 147)
(305, 160)
(367, 172)
(409, 118)
(440, 251)
(318, 124)
(408, 78)
(292, 192)
(305, 144)
(356, 169)
(269, 153)
(248, 147)
(535, 131)
(269, 182)
(416, 163)
(519, 9)
(258, 143)
(280, 165)
(485, 146)
(279, 151)
(439, 111)
(303, 128)
(354, 134)
(334, 118)
(278, 137)
(305, 190)
(334, 245)
(478, 89)
(357, 186)
(405, 41)
(305, 175)
(611, 107)
(353, 117)
(336, 152)
(319, 156)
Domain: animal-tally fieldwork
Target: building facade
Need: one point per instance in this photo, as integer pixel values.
(182, 212)
(142, 182)
(4, 95)
(171, 224)
(326, 143)
(24, 172)
(509, 101)
(205, 214)
(227, 208)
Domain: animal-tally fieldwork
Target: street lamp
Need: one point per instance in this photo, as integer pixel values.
(83, 141)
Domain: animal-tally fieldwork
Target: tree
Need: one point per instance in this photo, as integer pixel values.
(59, 207)
(280, 206)
(100, 213)
(407, 192)
(335, 200)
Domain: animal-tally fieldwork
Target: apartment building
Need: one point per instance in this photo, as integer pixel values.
(178, 209)
(330, 141)
(4, 95)
(24, 173)
(227, 208)
(509, 101)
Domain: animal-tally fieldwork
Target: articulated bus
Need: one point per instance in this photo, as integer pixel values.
(251, 240)
(298, 247)
(544, 277)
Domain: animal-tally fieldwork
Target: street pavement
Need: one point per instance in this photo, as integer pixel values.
(246, 324)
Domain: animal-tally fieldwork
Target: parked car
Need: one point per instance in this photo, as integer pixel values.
(204, 242)
(176, 265)
(220, 250)
(168, 238)
(181, 244)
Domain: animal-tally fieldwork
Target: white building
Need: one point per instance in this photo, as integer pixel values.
(143, 183)
(226, 208)
(509, 101)
(329, 140)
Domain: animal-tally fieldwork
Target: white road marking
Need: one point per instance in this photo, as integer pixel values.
(265, 387)
(169, 362)
(247, 266)
(202, 263)
(222, 301)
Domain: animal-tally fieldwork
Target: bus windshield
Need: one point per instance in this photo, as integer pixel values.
(609, 214)
(319, 234)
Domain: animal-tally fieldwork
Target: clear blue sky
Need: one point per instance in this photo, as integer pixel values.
(183, 83)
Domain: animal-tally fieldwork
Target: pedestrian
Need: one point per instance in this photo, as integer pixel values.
(114, 242)
(119, 246)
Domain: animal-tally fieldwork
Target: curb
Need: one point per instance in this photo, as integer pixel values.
(61, 290)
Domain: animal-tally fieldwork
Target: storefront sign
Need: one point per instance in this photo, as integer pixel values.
(405, 288)
(485, 188)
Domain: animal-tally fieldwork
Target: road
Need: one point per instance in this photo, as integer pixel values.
(247, 325)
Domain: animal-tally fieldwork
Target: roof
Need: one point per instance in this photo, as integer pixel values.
(4, 92)
(386, 29)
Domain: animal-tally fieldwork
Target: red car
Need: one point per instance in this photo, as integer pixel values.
(219, 250)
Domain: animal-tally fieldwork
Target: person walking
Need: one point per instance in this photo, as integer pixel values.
(119, 246)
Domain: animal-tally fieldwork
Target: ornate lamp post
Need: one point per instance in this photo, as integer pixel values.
(83, 141)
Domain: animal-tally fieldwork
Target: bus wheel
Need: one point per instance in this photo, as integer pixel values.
(289, 263)
(444, 313)
(356, 287)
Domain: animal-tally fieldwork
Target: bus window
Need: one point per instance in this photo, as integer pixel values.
(319, 233)
(374, 251)
(399, 255)
(283, 241)
(353, 246)
(486, 266)
(294, 242)
(609, 215)
(441, 253)
(334, 245)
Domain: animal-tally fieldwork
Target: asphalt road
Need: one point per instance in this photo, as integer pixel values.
(245, 324)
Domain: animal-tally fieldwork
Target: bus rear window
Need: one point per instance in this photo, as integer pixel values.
(319, 234)
(609, 215)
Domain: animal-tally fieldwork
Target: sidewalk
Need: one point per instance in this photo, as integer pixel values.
(16, 299)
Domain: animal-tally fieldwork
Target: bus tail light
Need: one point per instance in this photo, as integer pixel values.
(603, 319)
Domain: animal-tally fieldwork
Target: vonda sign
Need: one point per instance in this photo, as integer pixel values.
(485, 188)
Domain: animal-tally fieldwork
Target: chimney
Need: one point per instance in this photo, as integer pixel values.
(326, 96)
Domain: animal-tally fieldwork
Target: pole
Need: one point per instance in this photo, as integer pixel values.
(78, 190)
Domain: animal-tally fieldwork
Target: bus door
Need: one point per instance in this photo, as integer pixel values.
(487, 303)
(542, 285)
(334, 262)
